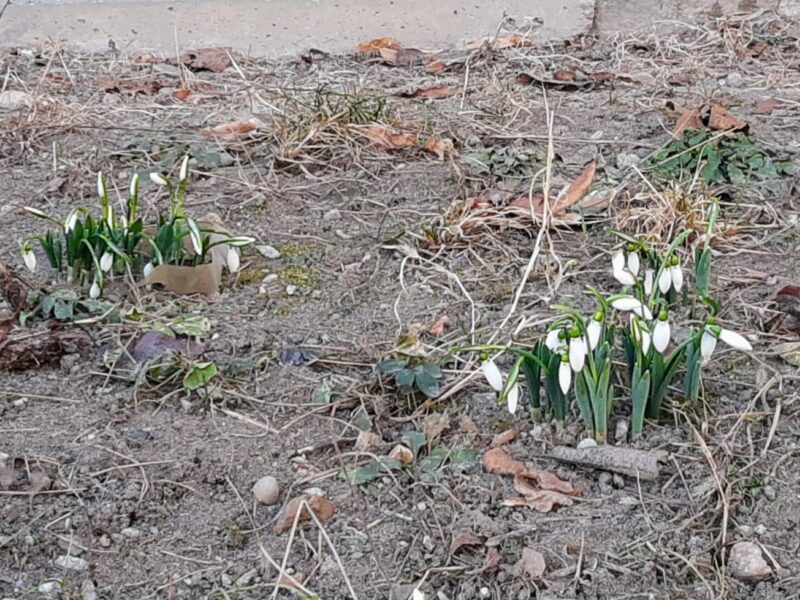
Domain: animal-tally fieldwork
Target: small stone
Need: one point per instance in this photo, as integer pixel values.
(49, 587)
(746, 562)
(760, 529)
(586, 443)
(268, 251)
(604, 479)
(421, 506)
(745, 531)
(332, 215)
(29, 541)
(618, 480)
(734, 79)
(270, 278)
(247, 577)
(226, 580)
(770, 493)
(20, 402)
(485, 593)
(621, 431)
(291, 290)
(428, 542)
(267, 490)
(532, 563)
(367, 440)
(87, 590)
(626, 160)
(104, 541)
(71, 563)
(131, 533)
(166, 69)
(12, 99)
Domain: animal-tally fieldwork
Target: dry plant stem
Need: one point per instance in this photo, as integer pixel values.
(723, 497)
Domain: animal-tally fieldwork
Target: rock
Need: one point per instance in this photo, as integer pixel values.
(291, 290)
(226, 580)
(87, 590)
(621, 431)
(618, 481)
(12, 99)
(770, 493)
(760, 529)
(71, 563)
(268, 251)
(270, 278)
(734, 79)
(626, 160)
(485, 593)
(531, 564)
(587, 443)
(332, 215)
(131, 533)
(745, 531)
(49, 587)
(267, 490)
(104, 541)
(746, 562)
(166, 69)
(247, 578)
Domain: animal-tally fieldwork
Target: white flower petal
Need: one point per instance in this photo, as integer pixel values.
(564, 376)
(94, 291)
(708, 342)
(646, 341)
(593, 330)
(513, 398)
(626, 303)
(649, 275)
(184, 168)
(577, 353)
(134, 185)
(72, 219)
(676, 275)
(661, 335)
(553, 341)
(633, 263)
(624, 277)
(148, 268)
(492, 374)
(101, 187)
(158, 179)
(618, 261)
(735, 340)
(643, 311)
(665, 280)
(106, 261)
(30, 260)
(233, 260)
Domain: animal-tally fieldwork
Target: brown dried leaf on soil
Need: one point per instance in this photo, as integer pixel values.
(441, 147)
(465, 538)
(530, 481)
(689, 119)
(181, 94)
(402, 57)
(501, 439)
(438, 326)
(541, 501)
(402, 454)
(499, 461)
(44, 350)
(493, 559)
(532, 563)
(230, 131)
(14, 288)
(321, 506)
(435, 92)
(575, 190)
(434, 424)
(722, 120)
(391, 140)
(514, 40)
(202, 279)
(373, 47)
(215, 60)
(147, 87)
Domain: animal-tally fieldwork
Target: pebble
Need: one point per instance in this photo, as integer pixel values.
(618, 480)
(421, 506)
(29, 541)
(621, 431)
(314, 491)
(247, 577)
(226, 580)
(105, 541)
(745, 530)
(428, 542)
(291, 290)
(332, 215)
(760, 529)
(586, 443)
(769, 492)
(485, 593)
(88, 591)
(267, 490)
(268, 251)
(734, 79)
(71, 563)
(131, 533)
(746, 562)
(49, 587)
(270, 278)
(20, 402)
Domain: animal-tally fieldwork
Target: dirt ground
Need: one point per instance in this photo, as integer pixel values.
(146, 488)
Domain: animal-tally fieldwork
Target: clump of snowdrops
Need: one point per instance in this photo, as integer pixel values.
(92, 249)
(576, 354)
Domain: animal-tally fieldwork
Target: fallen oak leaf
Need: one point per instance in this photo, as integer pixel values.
(435, 92)
(542, 501)
(499, 461)
(465, 538)
(575, 190)
(722, 120)
(501, 439)
(297, 509)
(391, 140)
(441, 147)
(530, 481)
(372, 48)
(528, 204)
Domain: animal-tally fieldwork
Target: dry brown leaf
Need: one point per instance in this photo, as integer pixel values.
(402, 57)
(402, 454)
(720, 119)
(789, 290)
(321, 506)
(181, 94)
(435, 67)
(202, 279)
(499, 461)
(563, 75)
(530, 481)
(373, 47)
(526, 203)
(434, 424)
(147, 87)
(575, 190)
(493, 559)
(231, 131)
(465, 538)
(441, 147)
(435, 92)
(542, 501)
(764, 107)
(689, 119)
(438, 327)
(215, 60)
(532, 563)
(788, 351)
(501, 439)
(392, 140)
(514, 40)
(602, 76)
(468, 425)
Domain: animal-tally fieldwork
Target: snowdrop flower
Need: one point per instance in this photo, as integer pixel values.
(101, 185)
(134, 188)
(671, 276)
(631, 304)
(94, 291)
(577, 350)
(106, 261)
(233, 260)
(633, 262)
(564, 374)
(184, 169)
(621, 271)
(594, 328)
(661, 332)
(712, 333)
(554, 339)
(418, 595)
(29, 257)
(71, 220)
(513, 398)
(649, 275)
(158, 179)
(640, 334)
(148, 268)
(492, 374)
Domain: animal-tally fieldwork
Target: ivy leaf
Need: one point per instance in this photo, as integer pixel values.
(404, 378)
(415, 440)
(199, 375)
(427, 384)
(391, 365)
(322, 395)
(372, 470)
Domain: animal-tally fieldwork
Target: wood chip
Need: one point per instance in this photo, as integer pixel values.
(499, 461)
(626, 461)
(321, 506)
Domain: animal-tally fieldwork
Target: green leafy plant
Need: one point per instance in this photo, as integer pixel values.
(412, 374)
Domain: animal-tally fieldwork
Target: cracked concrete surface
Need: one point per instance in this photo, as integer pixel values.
(281, 27)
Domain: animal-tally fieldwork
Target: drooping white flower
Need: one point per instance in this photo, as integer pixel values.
(233, 260)
(94, 291)
(661, 332)
(577, 353)
(106, 261)
(553, 340)
(708, 342)
(593, 331)
(101, 185)
(631, 304)
(735, 340)
(677, 277)
(158, 179)
(649, 275)
(711, 333)
(564, 376)
(513, 398)
(29, 258)
(72, 219)
(633, 263)
(671, 276)
(492, 374)
(184, 169)
(148, 268)
(641, 336)
(620, 271)
(134, 187)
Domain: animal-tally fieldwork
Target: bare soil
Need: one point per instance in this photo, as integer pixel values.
(151, 484)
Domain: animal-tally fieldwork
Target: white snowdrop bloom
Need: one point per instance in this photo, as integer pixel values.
(577, 353)
(564, 376)
(641, 336)
(233, 260)
(492, 374)
(619, 269)
(158, 179)
(553, 339)
(661, 332)
(633, 263)
(711, 333)
(134, 187)
(72, 219)
(671, 276)
(184, 168)
(148, 268)
(593, 330)
(29, 258)
(101, 185)
(513, 398)
(735, 340)
(631, 304)
(94, 291)
(649, 275)
(106, 261)
(676, 273)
